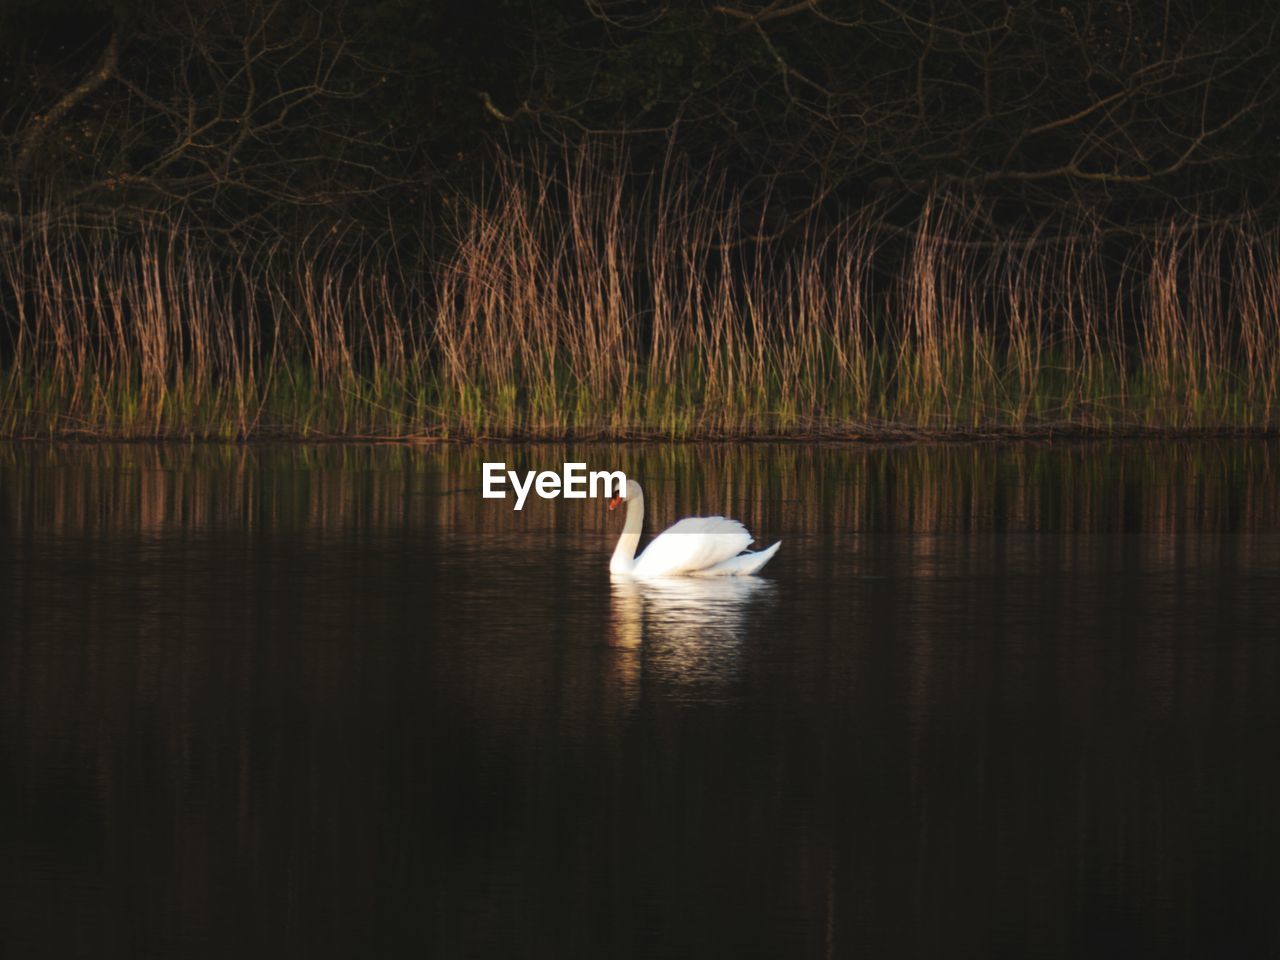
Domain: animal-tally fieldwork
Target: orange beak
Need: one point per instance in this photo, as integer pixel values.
(614, 502)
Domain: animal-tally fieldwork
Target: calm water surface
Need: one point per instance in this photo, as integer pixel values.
(303, 701)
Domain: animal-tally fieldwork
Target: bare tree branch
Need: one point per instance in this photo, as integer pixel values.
(42, 123)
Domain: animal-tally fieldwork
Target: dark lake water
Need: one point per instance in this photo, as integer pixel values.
(994, 701)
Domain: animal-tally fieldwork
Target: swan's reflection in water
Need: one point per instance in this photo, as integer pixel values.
(689, 631)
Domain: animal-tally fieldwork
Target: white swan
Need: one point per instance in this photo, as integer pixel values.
(695, 547)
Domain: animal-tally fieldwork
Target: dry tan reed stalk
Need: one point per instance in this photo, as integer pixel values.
(575, 298)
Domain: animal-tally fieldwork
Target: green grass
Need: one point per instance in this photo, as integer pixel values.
(289, 401)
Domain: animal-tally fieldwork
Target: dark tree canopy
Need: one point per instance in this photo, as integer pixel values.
(253, 114)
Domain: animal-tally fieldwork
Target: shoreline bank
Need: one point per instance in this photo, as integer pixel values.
(874, 436)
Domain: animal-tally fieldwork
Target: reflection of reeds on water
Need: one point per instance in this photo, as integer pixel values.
(691, 629)
(776, 490)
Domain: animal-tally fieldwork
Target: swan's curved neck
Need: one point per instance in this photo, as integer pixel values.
(624, 554)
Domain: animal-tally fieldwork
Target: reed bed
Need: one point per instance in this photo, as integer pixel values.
(576, 300)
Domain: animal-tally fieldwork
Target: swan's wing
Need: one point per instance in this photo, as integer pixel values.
(694, 543)
(740, 566)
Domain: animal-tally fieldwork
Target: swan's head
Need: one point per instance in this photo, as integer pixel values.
(632, 492)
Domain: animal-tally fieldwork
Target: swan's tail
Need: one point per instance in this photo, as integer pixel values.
(743, 565)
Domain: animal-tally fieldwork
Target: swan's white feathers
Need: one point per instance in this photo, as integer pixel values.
(742, 565)
(694, 544)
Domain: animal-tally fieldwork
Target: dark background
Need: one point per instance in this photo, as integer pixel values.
(271, 119)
